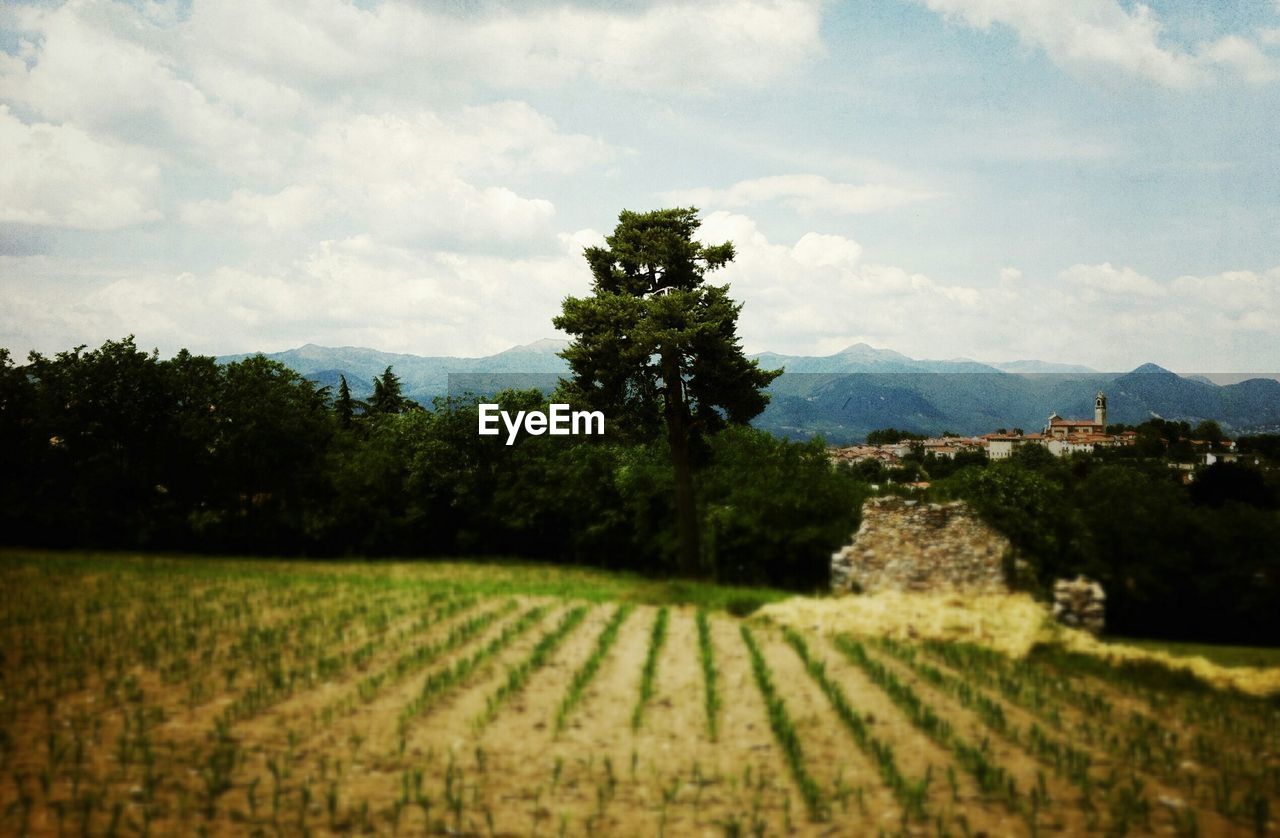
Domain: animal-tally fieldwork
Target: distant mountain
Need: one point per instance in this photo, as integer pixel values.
(863, 358)
(1037, 367)
(422, 377)
(845, 395)
(845, 407)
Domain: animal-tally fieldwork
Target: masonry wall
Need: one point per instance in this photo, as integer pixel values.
(906, 545)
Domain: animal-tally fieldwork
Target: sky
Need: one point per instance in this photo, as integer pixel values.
(1080, 181)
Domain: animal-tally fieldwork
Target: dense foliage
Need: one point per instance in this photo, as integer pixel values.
(1199, 561)
(117, 448)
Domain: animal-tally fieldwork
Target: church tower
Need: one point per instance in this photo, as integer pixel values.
(1100, 410)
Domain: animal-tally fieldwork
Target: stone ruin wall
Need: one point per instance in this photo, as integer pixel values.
(906, 545)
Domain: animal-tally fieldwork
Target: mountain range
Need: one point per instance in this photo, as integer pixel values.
(845, 395)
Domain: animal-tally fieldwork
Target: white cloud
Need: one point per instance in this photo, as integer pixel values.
(815, 296)
(1119, 282)
(819, 292)
(805, 193)
(1103, 34)
(799, 302)
(819, 250)
(58, 175)
(668, 46)
(291, 208)
(1243, 295)
(1243, 56)
(411, 176)
(574, 243)
(355, 291)
(112, 71)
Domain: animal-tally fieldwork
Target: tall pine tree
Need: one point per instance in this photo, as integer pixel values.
(345, 406)
(656, 347)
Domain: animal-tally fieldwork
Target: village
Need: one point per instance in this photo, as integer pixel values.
(1060, 437)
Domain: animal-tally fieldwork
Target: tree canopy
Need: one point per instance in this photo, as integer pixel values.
(656, 347)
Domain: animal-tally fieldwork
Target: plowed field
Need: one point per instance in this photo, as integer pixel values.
(184, 697)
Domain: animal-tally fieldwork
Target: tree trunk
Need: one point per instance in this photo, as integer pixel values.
(678, 441)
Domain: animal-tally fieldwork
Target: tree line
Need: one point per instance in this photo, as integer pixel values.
(1199, 561)
(119, 448)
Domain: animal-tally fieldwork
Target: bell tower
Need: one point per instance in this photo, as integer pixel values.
(1100, 410)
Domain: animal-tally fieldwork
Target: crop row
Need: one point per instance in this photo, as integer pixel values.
(657, 637)
(578, 684)
(446, 678)
(992, 778)
(707, 658)
(518, 674)
(1124, 793)
(784, 730)
(1136, 739)
(913, 795)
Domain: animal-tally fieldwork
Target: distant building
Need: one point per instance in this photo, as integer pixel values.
(1002, 446)
(1061, 437)
(1059, 428)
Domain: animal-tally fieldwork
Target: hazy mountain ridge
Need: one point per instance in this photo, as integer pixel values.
(847, 394)
(422, 377)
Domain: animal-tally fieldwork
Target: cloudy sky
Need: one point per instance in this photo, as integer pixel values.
(1086, 181)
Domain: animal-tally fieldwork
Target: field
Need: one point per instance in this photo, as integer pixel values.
(198, 696)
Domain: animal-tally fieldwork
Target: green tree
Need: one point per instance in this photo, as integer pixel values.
(23, 454)
(891, 436)
(1209, 431)
(388, 395)
(106, 417)
(272, 429)
(1142, 549)
(1033, 456)
(656, 346)
(1264, 446)
(344, 405)
(776, 509)
(1031, 509)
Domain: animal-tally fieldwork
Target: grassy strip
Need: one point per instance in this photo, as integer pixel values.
(707, 654)
(588, 670)
(480, 576)
(656, 639)
(442, 680)
(518, 675)
(991, 778)
(1221, 654)
(912, 796)
(784, 730)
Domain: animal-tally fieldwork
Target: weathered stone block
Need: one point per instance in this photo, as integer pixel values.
(1080, 603)
(907, 546)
